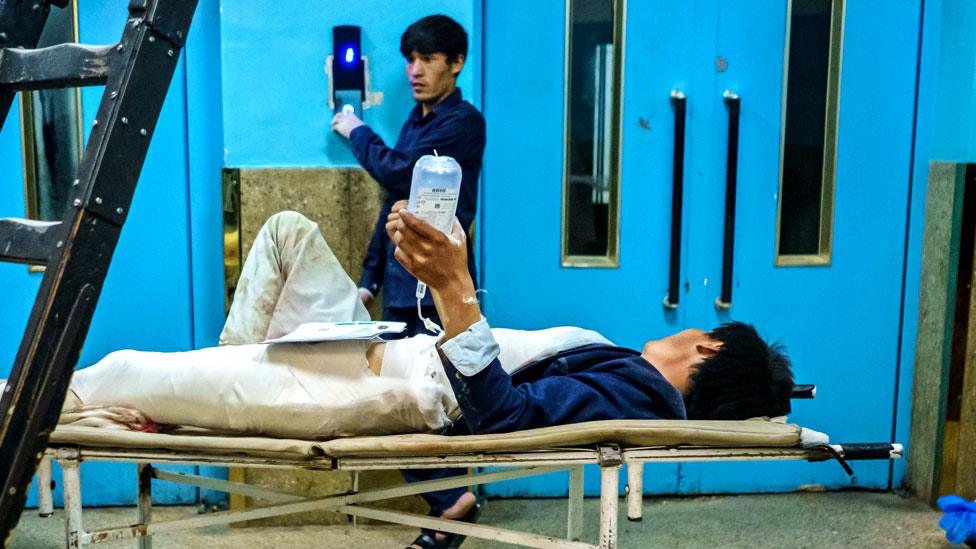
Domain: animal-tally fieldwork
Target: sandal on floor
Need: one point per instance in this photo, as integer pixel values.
(450, 541)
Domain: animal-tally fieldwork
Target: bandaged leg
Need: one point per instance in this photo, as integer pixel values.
(290, 276)
(299, 390)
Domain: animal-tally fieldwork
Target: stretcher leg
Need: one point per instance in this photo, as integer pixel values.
(145, 504)
(71, 478)
(355, 490)
(635, 490)
(45, 498)
(574, 522)
(609, 497)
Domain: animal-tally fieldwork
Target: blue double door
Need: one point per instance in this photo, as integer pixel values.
(839, 319)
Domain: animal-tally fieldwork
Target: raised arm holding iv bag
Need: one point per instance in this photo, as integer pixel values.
(434, 191)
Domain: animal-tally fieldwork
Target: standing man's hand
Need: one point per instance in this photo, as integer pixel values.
(344, 124)
(366, 297)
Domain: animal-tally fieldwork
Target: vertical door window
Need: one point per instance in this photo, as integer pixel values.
(591, 177)
(809, 135)
(51, 129)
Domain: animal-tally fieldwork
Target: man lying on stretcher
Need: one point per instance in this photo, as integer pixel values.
(471, 379)
(496, 380)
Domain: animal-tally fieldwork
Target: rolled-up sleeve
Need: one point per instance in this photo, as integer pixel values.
(473, 350)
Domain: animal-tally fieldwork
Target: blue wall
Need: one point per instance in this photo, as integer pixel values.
(274, 85)
(16, 286)
(955, 98)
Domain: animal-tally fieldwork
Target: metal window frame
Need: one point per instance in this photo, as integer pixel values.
(824, 255)
(612, 257)
(28, 138)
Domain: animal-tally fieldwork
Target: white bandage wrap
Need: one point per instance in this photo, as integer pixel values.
(809, 436)
(302, 390)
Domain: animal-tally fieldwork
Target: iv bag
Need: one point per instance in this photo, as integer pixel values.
(434, 190)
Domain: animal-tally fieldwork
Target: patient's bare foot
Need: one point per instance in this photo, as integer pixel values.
(108, 417)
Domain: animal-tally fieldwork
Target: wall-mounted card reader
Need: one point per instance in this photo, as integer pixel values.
(348, 74)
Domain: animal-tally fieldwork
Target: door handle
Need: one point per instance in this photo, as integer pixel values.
(679, 101)
(732, 102)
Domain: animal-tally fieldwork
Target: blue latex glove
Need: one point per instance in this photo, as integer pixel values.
(959, 520)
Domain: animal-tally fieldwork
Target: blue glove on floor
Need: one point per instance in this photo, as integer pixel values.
(959, 520)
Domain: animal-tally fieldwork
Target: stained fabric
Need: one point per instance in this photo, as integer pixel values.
(291, 276)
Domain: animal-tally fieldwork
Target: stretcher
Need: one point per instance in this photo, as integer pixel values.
(608, 444)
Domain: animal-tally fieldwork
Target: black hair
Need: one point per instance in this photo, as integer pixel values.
(435, 34)
(745, 378)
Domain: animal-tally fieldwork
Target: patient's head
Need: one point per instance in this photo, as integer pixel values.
(728, 373)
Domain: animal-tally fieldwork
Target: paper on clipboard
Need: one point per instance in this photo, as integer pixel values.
(340, 331)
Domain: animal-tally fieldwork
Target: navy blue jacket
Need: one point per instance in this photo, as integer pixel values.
(456, 129)
(590, 383)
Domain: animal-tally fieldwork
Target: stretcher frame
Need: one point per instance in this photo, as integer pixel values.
(609, 457)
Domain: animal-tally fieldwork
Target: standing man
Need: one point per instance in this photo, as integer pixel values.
(435, 48)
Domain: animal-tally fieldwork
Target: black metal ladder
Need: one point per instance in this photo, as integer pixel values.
(77, 250)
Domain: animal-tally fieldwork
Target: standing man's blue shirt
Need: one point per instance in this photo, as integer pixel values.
(453, 128)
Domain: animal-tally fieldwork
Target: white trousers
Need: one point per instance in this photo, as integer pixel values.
(289, 277)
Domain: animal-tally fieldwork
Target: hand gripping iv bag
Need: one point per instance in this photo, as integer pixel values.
(434, 191)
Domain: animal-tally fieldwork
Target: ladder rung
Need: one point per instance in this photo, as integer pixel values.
(60, 66)
(27, 241)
